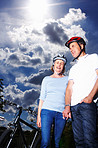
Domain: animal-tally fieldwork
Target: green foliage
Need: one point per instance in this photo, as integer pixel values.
(67, 139)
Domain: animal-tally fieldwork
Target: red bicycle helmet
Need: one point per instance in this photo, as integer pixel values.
(75, 39)
(78, 40)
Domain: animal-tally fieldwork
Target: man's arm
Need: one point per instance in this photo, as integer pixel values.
(91, 95)
(68, 95)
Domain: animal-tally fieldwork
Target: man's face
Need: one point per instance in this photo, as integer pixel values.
(75, 49)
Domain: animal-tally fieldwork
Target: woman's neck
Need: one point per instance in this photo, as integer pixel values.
(57, 76)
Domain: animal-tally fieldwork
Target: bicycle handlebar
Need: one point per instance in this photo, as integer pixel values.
(29, 110)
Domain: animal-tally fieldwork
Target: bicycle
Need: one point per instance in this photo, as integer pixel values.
(15, 128)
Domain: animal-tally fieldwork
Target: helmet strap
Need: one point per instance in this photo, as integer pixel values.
(78, 55)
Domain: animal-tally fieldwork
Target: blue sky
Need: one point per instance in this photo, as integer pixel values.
(32, 33)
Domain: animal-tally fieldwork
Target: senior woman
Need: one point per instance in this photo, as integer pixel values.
(52, 102)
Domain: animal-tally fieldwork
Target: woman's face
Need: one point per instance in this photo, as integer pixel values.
(58, 66)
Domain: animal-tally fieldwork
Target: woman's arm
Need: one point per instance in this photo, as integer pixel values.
(39, 113)
(43, 96)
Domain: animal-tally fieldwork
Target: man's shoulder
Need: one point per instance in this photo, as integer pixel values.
(93, 55)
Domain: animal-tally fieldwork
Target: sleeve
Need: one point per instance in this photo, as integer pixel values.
(96, 62)
(43, 90)
(71, 74)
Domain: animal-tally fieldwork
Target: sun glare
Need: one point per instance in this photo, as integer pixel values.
(37, 9)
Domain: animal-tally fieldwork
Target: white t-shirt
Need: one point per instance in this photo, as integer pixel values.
(84, 76)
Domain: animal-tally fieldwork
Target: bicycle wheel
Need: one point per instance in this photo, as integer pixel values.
(4, 138)
(37, 142)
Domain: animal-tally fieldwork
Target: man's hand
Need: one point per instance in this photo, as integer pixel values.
(93, 92)
(66, 112)
(86, 100)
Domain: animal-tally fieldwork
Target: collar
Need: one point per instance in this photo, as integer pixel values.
(83, 57)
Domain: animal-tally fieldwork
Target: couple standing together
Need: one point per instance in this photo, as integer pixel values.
(65, 97)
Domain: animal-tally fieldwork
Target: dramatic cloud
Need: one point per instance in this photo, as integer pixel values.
(25, 98)
(55, 33)
(37, 78)
(73, 16)
(34, 79)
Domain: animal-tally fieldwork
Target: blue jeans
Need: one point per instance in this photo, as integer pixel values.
(84, 125)
(49, 117)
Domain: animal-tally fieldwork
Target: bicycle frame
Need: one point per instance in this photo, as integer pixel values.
(29, 125)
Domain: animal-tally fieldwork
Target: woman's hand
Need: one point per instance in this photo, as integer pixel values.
(38, 121)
